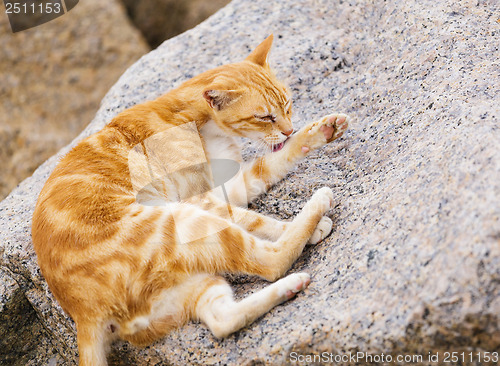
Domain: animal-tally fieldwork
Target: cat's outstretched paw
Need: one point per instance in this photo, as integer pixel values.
(322, 230)
(291, 284)
(333, 126)
(319, 133)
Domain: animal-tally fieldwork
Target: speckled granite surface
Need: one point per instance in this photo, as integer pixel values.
(412, 265)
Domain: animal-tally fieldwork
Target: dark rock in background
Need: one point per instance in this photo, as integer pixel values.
(23, 340)
(159, 20)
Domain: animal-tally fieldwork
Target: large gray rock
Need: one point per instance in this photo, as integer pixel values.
(412, 265)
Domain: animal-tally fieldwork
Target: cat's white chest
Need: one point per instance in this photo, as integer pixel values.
(218, 145)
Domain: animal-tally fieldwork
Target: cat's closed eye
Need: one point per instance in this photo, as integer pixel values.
(266, 118)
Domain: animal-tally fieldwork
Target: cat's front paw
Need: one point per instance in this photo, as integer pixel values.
(322, 230)
(319, 133)
(333, 126)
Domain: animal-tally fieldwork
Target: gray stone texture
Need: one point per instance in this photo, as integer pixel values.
(412, 265)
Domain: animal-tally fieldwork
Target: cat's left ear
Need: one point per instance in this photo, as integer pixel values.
(259, 54)
(218, 99)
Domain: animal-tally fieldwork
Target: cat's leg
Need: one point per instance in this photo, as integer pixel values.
(272, 229)
(260, 225)
(258, 176)
(300, 231)
(229, 248)
(209, 298)
(215, 305)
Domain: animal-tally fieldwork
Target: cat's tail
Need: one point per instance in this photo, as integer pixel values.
(93, 343)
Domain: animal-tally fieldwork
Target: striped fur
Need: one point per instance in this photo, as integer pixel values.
(130, 242)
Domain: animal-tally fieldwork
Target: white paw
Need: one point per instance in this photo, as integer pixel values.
(322, 230)
(323, 199)
(291, 284)
(325, 192)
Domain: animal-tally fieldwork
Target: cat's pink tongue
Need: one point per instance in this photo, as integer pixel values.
(278, 147)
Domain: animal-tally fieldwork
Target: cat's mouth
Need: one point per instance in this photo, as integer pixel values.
(278, 147)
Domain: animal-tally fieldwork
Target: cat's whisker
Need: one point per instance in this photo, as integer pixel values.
(264, 147)
(261, 148)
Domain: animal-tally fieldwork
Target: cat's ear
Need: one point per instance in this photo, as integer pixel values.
(259, 54)
(218, 99)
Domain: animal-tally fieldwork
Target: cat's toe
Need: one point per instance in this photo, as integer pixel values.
(341, 123)
(328, 132)
(322, 230)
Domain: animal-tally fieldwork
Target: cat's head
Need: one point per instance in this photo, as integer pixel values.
(248, 100)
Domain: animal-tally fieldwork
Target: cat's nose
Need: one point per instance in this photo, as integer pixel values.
(287, 133)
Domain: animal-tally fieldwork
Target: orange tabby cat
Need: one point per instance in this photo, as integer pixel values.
(131, 234)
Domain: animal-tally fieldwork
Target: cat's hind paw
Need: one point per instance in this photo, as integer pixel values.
(322, 230)
(291, 284)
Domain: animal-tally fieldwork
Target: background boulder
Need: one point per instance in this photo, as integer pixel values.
(412, 265)
(53, 78)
